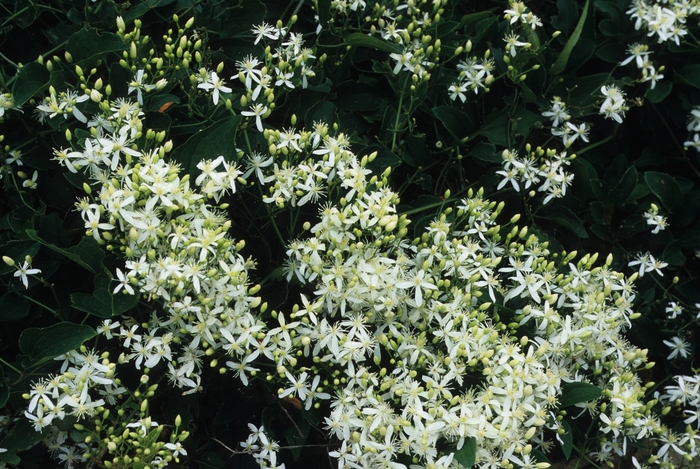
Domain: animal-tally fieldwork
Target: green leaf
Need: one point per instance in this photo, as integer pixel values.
(575, 393)
(87, 254)
(568, 219)
(563, 58)
(87, 44)
(324, 12)
(567, 439)
(540, 456)
(673, 254)
(455, 121)
(12, 307)
(4, 389)
(467, 455)
(103, 303)
(20, 437)
(363, 40)
(619, 194)
(568, 11)
(690, 75)
(660, 92)
(487, 152)
(32, 79)
(496, 128)
(665, 188)
(41, 344)
(218, 139)
(523, 120)
(322, 111)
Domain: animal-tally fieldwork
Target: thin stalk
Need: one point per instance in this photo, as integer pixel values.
(398, 116)
(10, 366)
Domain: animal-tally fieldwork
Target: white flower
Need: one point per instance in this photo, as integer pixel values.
(24, 270)
(456, 91)
(265, 30)
(214, 83)
(678, 346)
(557, 112)
(638, 53)
(512, 42)
(123, 283)
(31, 183)
(695, 143)
(138, 85)
(257, 110)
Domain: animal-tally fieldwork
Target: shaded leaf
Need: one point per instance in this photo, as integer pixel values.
(363, 40)
(32, 79)
(87, 254)
(568, 219)
(575, 393)
(87, 44)
(562, 60)
(487, 152)
(496, 128)
(218, 139)
(660, 92)
(690, 75)
(20, 437)
(567, 439)
(620, 194)
(4, 389)
(673, 254)
(665, 188)
(102, 302)
(12, 307)
(467, 455)
(456, 122)
(40, 344)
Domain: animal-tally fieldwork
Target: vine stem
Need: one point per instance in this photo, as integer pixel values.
(398, 116)
(272, 219)
(2, 360)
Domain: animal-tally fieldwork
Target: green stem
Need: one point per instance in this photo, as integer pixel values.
(596, 144)
(296, 10)
(398, 116)
(19, 192)
(36, 302)
(10, 366)
(430, 206)
(269, 214)
(4, 57)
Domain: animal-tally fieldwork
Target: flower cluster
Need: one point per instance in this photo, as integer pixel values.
(7, 103)
(561, 125)
(648, 263)
(664, 20)
(263, 448)
(694, 126)
(653, 218)
(639, 53)
(539, 166)
(474, 75)
(61, 104)
(614, 106)
(285, 68)
(518, 13)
